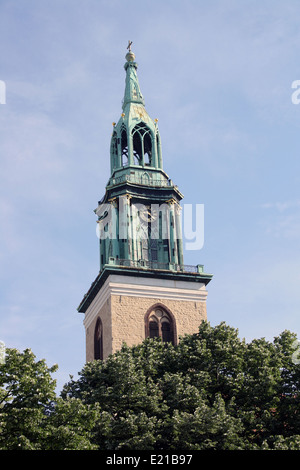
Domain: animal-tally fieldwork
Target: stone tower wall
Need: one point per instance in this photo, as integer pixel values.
(122, 304)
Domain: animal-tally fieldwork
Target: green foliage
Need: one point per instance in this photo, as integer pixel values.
(207, 428)
(211, 392)
(30, 419)
(69, 426)
(26, 388)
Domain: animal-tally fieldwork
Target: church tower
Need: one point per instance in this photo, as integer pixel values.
(143, 289)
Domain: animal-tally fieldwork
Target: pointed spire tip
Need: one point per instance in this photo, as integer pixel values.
(130, 56)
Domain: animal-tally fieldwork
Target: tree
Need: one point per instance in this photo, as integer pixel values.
(212, 391)
(31, 417)
(26, 389)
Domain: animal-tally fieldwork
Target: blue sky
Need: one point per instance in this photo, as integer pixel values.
(218, 76)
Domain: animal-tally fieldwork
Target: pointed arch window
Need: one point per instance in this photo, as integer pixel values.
(98, 340)
(124, 146)
(142, 144)
(160, 323)
(153, 328)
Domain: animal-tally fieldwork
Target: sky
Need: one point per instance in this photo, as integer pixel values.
(218, 77)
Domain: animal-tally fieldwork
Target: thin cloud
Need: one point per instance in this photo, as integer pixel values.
(281, 206)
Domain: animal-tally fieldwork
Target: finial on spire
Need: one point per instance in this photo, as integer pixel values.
(130, 55)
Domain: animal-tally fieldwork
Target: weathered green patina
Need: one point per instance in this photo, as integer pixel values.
(137, 178)
(139, 219)
(135, 143)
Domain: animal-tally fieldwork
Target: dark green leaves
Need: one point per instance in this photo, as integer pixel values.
(212, 391)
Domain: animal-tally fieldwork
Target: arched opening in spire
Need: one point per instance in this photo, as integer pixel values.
(142, 144)
(148, 149)
(124, 146)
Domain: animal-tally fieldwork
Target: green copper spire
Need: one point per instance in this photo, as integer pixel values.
(139, 216)
(135, 140)
(132, 89)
